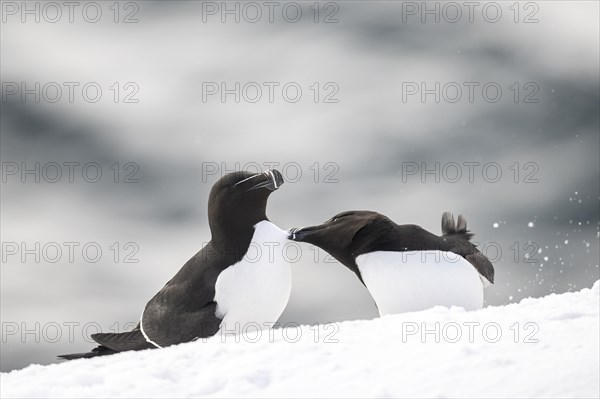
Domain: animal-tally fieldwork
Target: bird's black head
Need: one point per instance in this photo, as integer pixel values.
(346, 235)
(238, 201)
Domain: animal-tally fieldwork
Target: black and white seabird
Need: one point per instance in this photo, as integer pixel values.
(219, 287)
(405, 267)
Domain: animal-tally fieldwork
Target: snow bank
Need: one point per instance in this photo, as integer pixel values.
(546, 347)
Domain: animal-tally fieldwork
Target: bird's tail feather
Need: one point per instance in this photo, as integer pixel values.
(450, 228)
(97, 351)
(476, 258)
(111, 343)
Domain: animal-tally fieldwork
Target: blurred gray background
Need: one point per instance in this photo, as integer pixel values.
(540, 226)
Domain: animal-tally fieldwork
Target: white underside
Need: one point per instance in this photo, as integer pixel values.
(417, 280)
(256, 289)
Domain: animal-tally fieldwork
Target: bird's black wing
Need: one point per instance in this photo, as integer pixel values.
(482, 264)
(410, 237)
(165, 324)
(184, 309)
(470, 252)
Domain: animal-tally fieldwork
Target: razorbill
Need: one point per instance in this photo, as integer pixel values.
(235, 279)
(405, 267)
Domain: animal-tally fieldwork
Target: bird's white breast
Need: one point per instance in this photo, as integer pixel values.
(417, 280)
(256, 289)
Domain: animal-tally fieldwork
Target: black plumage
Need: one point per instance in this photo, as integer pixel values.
(184, 309)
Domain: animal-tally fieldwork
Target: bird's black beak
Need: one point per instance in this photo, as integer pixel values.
(271, 180)
(304, 233)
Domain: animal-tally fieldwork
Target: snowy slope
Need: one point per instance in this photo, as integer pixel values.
(556, 355)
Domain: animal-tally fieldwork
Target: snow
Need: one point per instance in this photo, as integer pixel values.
(547, 347)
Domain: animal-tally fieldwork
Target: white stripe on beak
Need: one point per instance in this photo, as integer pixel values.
(246, 179)
(270, 173)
